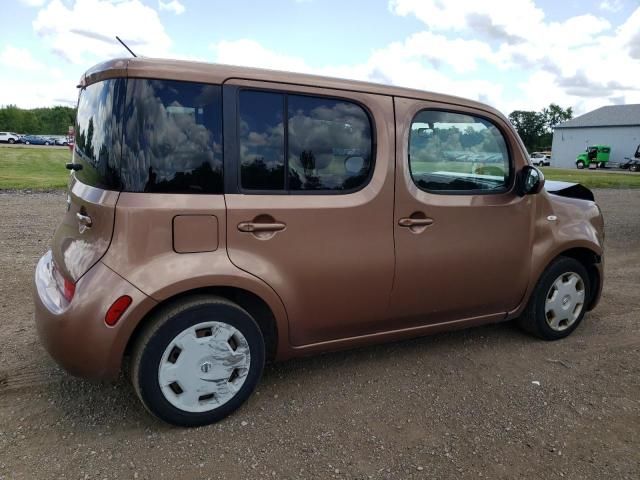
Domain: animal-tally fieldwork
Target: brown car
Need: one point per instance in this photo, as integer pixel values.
(220, 217)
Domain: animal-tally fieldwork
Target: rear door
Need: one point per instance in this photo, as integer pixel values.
(462, 234)
(84, 234)
(309, 182)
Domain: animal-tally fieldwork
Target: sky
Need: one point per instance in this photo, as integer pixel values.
(511, 54)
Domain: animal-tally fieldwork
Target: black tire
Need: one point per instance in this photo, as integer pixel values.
(168, 323)
(634, 168)
(533, 319)
(12, 141)
(580, 164)
(27, 142)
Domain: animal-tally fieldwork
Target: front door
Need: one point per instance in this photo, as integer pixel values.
(309, 177)
(462, 235)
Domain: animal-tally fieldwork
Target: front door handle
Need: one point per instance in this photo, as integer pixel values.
(255, 227)
(415, 222)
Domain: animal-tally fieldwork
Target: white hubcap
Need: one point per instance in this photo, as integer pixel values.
(204, 366)
(565, 301)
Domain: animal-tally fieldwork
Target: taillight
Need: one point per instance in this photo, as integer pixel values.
(117, 309)
(65, 286)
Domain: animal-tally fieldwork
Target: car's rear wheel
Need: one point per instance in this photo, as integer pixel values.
(580, 164)
(559, 301)
(634, 168)
(197, 361)
(27, 142)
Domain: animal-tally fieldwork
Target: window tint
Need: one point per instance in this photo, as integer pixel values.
(329, 144)
(261, 132)
(172, 137)
(99, 134)
(457, 153)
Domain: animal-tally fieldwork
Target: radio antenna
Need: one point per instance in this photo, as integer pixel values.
(125, 46)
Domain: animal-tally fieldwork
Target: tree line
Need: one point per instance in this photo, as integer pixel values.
(536, 128)
(38, 121)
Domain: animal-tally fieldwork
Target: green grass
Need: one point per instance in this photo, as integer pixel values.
(594, 178)
(34, 168)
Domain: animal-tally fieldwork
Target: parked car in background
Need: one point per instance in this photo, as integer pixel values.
(8, 137)
(62, 141)
(36, 140)
(540, 159)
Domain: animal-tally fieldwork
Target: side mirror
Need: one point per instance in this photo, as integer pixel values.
(530, 181)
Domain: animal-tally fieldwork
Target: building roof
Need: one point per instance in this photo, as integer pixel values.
(609, 116)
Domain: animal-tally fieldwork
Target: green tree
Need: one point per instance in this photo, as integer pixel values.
(43, 121)
(531, 126)
(536, 128)
(555, 114)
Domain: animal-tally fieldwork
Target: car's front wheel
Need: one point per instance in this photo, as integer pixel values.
(197, 361)
(580, 164)
(12, 141)
(559, 300)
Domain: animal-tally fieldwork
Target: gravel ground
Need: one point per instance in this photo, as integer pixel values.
(456, 405)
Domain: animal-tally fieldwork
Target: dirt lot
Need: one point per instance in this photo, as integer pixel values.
(458, 405)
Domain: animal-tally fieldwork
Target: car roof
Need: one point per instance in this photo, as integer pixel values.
(140, 67)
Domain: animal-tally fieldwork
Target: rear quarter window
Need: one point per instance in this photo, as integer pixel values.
(99, 134)
(172, 137)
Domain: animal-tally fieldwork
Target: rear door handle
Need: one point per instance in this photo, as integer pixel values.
(254, 227)
(84, 219)
(84, 222)
(415, 222)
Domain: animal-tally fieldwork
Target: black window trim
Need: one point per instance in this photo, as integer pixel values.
(509, 185)
(232, 155)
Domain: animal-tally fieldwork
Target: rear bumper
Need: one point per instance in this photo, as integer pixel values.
(74, 333)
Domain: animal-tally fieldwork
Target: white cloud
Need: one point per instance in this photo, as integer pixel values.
(19, 58)
(173, 6)
(33, 3)
(582, 59)
(250, 53)
(85, 31)
(611, 5)
(398, 64)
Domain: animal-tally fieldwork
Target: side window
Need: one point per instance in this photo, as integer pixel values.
(327, 144)
(172, 137)
(99, 134)
(457, 153)
(261, 133)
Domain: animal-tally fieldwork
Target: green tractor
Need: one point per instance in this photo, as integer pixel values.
(596, 154)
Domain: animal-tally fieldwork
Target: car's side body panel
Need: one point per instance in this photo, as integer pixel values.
(143, 253)
(342, 273)
(333, 263)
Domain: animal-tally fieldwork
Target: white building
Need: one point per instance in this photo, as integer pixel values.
(616, 125)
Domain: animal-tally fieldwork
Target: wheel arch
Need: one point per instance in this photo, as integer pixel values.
(256, 306)
(587, 255)
(591, 261)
